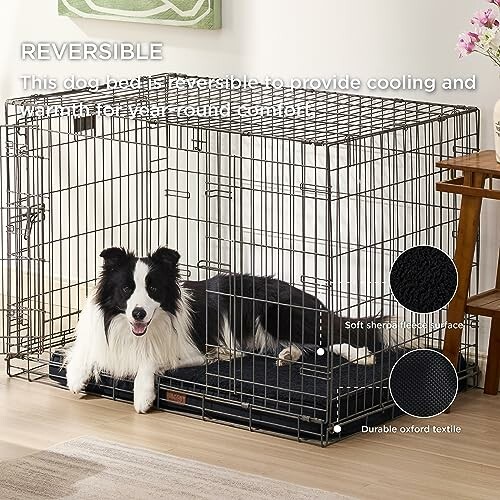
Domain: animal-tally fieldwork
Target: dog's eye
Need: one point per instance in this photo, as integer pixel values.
(152, 289)
(126, 289)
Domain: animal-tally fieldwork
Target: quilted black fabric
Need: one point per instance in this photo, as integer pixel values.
(423, 383)
(423, 279)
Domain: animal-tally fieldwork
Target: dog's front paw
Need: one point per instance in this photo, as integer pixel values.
(143, 400)
(76, 380)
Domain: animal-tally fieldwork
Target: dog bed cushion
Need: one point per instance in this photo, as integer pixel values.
(253, 390)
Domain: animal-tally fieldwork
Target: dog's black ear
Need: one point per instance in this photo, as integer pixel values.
(166, 255)
(114, 256)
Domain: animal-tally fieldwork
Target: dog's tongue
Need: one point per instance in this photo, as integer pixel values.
(139, 328)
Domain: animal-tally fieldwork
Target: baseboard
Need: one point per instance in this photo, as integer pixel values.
(73, 298)
(482, 358)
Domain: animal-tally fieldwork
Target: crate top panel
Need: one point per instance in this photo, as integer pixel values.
(230, 106)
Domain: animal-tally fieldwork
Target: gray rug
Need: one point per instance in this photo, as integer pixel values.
(88, 468)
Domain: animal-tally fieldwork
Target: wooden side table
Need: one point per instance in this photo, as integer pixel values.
(488, 304)
(476, 182)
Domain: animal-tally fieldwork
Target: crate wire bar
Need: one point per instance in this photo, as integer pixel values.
(324, 200)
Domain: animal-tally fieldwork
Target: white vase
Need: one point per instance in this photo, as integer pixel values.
(496, 124)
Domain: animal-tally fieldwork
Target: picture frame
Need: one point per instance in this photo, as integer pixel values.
(200, 14)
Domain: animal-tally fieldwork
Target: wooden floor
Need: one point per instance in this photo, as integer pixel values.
(34, 416)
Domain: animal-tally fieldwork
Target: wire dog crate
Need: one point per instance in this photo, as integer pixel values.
(321, 190)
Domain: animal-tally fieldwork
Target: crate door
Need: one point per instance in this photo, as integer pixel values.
(22, 214)
(4, 251)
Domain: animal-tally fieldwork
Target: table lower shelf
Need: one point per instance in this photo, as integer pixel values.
(485, 304)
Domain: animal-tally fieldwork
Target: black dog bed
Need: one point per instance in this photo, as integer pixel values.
(253, 391)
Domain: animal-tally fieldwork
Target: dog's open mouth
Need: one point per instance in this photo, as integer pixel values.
(139, 328)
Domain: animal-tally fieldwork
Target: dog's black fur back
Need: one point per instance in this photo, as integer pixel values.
(287, 314)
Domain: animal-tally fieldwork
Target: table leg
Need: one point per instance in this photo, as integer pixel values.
(468, 227)
(492, 378)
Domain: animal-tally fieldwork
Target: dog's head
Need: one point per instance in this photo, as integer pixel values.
(138, 287)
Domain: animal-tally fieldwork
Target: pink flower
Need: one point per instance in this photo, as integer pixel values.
(485, 18)
(467, 43)
(473, 36)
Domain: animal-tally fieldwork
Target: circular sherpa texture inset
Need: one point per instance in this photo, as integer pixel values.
(423, 279)
(423, 383)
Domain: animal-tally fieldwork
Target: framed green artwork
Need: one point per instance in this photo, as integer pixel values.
(203, 14)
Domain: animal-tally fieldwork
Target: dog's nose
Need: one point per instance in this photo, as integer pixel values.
(138, 313)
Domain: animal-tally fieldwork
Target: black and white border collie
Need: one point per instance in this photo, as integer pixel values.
(141, 320)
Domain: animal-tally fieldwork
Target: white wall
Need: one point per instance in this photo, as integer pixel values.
(283, 39)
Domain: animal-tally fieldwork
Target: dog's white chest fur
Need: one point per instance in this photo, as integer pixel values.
(166, 345)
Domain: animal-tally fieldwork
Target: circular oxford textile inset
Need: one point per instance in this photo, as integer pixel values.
(423, 383)
(423, 279)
